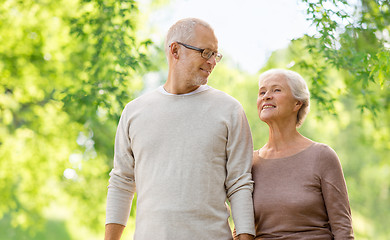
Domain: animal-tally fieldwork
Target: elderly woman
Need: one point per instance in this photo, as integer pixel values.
(300, 190)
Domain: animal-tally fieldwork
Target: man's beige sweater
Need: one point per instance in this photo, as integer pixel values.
(184, 156)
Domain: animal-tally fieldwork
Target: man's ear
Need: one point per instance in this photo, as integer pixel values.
(174, 50)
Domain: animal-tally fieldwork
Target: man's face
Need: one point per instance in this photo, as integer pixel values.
(195, 68)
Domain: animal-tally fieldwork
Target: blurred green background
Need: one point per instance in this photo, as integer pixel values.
(68, 67)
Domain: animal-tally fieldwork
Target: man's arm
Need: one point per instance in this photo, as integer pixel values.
(245, 236)
(239, 184)
(114, 231)
(121, 187)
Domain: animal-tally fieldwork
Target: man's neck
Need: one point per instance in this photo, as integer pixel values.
(198, 90)
(179, 89)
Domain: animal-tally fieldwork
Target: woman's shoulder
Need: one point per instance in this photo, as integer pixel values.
(323, 149)
(326, 156)
(256, 156)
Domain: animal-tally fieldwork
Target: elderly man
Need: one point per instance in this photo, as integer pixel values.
(185, 148)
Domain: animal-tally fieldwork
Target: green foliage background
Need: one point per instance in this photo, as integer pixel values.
(67, 68)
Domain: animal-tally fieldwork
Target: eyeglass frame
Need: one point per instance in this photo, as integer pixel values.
(218, 56)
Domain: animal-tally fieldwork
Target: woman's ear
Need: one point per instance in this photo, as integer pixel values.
(298, 105)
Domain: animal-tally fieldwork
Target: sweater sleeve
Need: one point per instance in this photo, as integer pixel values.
(239, 184)
(121, 186)
(335, 195)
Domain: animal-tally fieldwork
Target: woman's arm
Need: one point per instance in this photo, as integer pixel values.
(334, 191)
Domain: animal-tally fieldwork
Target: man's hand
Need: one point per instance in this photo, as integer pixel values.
(113, 231)
(245, 236)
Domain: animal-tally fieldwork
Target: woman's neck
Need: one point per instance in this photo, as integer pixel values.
(284, 140)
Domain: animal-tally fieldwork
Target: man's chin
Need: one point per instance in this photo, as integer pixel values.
(199, 82)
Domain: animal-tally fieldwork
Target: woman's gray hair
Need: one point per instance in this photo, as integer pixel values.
(183, 31)
(298, 87)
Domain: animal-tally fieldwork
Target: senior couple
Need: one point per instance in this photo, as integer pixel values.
(186, 148)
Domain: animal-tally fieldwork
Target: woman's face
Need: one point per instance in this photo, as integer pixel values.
(275, 101)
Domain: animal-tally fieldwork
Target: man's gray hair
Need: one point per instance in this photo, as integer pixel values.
(183, 31)
(298, 87)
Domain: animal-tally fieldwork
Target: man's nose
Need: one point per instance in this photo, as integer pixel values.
(212, 60)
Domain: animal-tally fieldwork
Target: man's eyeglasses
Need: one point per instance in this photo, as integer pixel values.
(205, 53)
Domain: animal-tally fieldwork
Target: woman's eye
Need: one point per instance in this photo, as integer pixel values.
(261, 93)
(277, 90)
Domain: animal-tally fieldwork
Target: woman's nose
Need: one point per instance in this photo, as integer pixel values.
(267, 96)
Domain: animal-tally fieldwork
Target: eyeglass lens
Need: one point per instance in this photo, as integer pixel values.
(207, 53)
